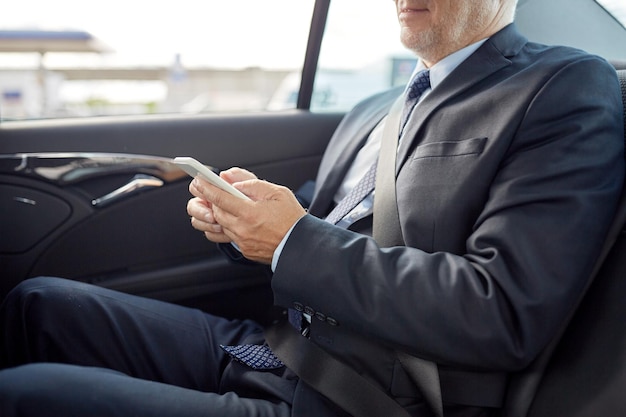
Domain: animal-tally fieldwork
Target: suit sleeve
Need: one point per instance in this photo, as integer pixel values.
(526, 258)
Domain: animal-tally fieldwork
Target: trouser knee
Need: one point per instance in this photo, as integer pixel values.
(34, 299)
(21, 386)
(45, 389)
(30, 315)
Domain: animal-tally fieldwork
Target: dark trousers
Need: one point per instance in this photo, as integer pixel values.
(71, 349)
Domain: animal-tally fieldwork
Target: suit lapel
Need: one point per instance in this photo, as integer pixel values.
(492, 56)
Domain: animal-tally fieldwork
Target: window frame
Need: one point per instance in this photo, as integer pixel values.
(314, 44)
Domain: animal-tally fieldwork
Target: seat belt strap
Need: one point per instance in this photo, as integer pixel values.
(329, 376)
(387, 232)
(425, 375)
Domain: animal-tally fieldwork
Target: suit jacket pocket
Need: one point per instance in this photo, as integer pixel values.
(450, 148)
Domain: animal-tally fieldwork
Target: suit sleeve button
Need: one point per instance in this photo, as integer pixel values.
(309, 310)
(298, 307)
(332, 321)
(320, 316)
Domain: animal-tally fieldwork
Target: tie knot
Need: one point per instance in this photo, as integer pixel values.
(418, 85)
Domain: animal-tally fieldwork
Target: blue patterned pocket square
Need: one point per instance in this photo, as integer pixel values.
(258, 357)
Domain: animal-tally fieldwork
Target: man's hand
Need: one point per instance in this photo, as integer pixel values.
(201, 211)
(257, 226)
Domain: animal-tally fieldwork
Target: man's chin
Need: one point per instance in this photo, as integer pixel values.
(419, 43)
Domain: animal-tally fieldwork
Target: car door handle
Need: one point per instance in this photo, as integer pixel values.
(138, 183)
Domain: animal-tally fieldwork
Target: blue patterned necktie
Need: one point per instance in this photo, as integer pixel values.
(419, 84)
(355, 196)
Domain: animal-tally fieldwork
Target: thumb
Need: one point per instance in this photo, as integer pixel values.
(236, 174)
(261, 190)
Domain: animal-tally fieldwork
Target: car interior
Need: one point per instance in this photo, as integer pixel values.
(99, 200)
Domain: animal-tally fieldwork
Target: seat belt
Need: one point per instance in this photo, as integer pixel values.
(387, 232)
(329, 376)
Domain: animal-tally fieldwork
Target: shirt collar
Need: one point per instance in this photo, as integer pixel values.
(443, 68)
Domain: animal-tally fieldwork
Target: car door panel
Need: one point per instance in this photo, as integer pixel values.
(58, 219)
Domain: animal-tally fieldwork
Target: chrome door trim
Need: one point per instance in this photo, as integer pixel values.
(74, 167)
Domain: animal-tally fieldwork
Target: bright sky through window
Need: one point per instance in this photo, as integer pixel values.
(617, 8)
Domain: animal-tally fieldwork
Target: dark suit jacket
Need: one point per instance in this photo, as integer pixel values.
(508, 175)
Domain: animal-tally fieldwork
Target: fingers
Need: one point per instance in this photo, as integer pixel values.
(196, 188)
(217, 197)
(200, 209)
(257, 226)
(203, 219)
(237, 174)
(261, 190)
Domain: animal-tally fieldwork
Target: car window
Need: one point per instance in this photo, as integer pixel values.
(145, 57)
(358, 60)
(617, 8)
(361, 54)
(76, 58)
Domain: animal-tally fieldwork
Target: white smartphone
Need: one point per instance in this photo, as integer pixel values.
(193, 167)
